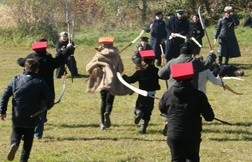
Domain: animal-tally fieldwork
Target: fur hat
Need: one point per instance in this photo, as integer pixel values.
(106, 40)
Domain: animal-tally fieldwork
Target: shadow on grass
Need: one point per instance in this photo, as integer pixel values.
(53, 138)
(92, 125)
(235, 135)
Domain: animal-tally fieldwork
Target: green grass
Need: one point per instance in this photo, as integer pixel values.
(72, 132)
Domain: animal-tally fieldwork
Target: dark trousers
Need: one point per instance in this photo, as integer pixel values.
(184, 151)
(144, 105)
(27, 134)
(39, 129)
(225, 60)
(107, 100)
(71, 64)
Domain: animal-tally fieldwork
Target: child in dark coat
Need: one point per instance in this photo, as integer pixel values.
(28, 91)
(148, 80)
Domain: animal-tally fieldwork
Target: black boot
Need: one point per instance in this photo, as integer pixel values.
(144, 126)
(107, 121)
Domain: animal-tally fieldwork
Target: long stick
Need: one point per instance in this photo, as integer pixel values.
(163, 62)
(69, 36)
(132, 42)
(203, 27)
(224, 122)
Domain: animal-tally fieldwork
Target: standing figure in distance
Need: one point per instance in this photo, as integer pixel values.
(184, 105)
(102, 69)
(197, 32)
(228, 45)
(148, 80)
(176, 25)
(28, 91)
(71, 62)
(158, 35)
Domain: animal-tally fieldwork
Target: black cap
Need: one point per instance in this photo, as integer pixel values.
(145, 39)
(180, 11)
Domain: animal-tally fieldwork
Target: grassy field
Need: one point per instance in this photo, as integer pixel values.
(72, 132)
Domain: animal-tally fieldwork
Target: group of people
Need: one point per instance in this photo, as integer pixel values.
(183, 103)
(171, 34)
(32, 92)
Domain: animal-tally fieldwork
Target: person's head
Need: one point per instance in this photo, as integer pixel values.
(239, 72)
(106, 42)
(195, 18)
(31, 65)
(159, 15)
(169, 15)
(180, 13)
(144, 41)
(148, 56)
(63, 36)
(186, 48)
(39, 47)
(228, 10)
(182, 72)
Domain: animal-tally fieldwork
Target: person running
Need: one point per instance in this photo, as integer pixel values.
(28, 91)
(102, 69)
(148, 80)
(46, 69)
(184, 106)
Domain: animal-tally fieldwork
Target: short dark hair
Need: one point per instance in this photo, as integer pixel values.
(31, 65)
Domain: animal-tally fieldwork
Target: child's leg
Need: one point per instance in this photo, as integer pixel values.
(16, 136)
(28, 141)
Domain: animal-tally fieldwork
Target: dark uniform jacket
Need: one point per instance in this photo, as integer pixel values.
(227, 39)
(48, 64)
(175, 25)
(158, 36)
(197, 32)
(61, 46)
(184, 105)
(147, 78)
(28, 91)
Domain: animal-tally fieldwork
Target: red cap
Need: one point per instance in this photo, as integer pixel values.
(106, 40)
(39, 46)
(147, 54)
(182, 71)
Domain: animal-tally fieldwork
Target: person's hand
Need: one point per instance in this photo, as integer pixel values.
(69, 45)
(215, 40)
(2, 116)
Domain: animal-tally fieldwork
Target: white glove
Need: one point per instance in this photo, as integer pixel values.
(69, 45)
